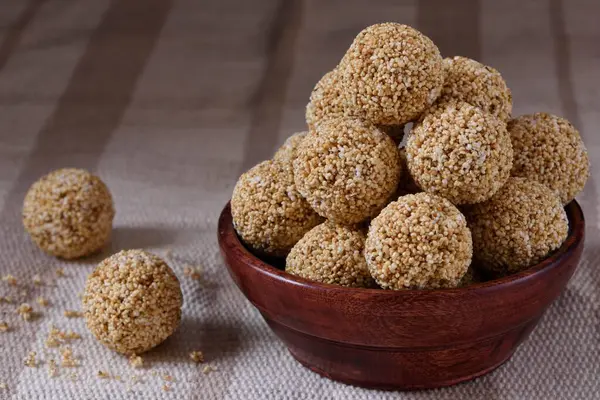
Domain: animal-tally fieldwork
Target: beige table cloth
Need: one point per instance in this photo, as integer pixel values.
(170, 100)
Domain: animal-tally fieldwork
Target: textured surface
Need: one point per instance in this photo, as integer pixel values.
(171, 106)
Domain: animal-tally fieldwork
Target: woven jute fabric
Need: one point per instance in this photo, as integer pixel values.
(169, 101)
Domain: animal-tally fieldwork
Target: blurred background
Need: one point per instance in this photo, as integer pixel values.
(169, 101)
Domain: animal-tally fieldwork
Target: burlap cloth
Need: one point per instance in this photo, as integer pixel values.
(169, 101)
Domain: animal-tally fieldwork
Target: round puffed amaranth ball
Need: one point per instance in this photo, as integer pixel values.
(419, 241)
(518, 227)
(68, 213)
(132, 301)
(459, 152)
(478, 85)
(287, 152)
(268, 212)
(391, 74)
(325, 100)
(549, 149)
(333, 254)
(347, 169)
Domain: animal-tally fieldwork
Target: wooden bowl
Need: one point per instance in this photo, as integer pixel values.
(411, 339)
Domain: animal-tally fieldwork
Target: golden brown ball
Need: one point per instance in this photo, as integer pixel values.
(268, 212)
(68, 213)
(391, 74)
(518, 227)
(419, 241)
(287, 152)
(477, 84)
(333, 254)
(132, 301)
(549, 149)
(459, 152)
(325, 100)
(347, 169)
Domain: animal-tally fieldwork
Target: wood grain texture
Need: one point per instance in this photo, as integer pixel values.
(411, 339)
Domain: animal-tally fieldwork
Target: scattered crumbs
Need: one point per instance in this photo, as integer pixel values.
(70, 335)
(56, 337)
(30, 359)
(103, 374)
(197, 356)
(3, 386)
(42, 301)
(194, 273)
(166, 387)
(153, 373)
(67, 358)
(208, 369)
(168, 378)
(60, 272)
(137, 379)
(37, 280)
(136, 361)
(6, 299)
(3, 327)
(73, 376)
(117, 377)
(72, 314)
(11, 280)
(25, 311)
(52, 368)
(53, 339)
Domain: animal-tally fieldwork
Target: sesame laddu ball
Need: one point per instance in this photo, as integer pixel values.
(347, 169)
(518, 227)
(391, 73)
(548, 149)
(331, 253)
(287, 152)
(268, 212)
(478, 85)
(419, 241)
(132, 301)
(68, 213)
(325, 100)
(459, 152)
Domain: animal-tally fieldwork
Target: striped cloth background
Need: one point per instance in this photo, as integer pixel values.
(170, 100)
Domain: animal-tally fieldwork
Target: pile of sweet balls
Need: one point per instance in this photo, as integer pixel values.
(469, 192)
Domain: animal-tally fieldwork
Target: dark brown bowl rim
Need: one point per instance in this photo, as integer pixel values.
(576, 231)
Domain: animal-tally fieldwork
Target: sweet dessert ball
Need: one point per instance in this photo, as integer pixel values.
(347, 169)
(518, 227)
(68, 213)
(268, 212)
(132, 301)
(478, 85)
(548, 149)
(287, 152)
(325, 100)
(391, 73)
(419, 241)
(459, 152)
(331, 253)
